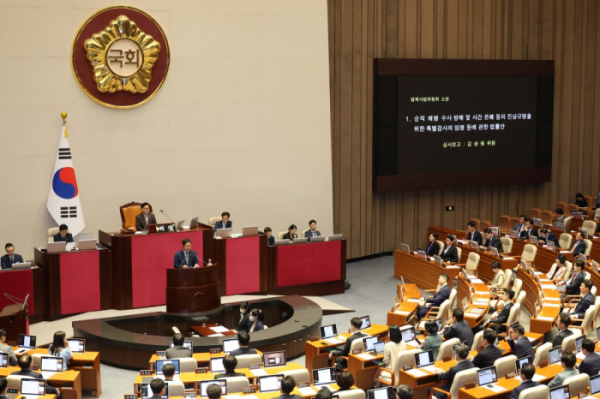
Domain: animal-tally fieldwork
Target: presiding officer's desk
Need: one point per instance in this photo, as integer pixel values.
(19, 283)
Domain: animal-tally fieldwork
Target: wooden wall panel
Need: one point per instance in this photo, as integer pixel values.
(359, 30)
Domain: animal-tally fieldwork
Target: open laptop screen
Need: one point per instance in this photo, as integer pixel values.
(408, 334)
(560, 392)
(554, 355)
(147, 393)
(3, 360)
(578, 342)
(161, 363)
(379, 347)
(270, 383)
(594, 384)
(381, 393)
(487, 376)
(369, 343)
(205, 384)
(274, 359)
(328, 331)
(423, 359)
(76, 345)
(520, 362)
(366, 322)
(216, 365)
(33, 387)
(54, 364)
(324, 376)
(186, 344)
(27, 341)
(229, 345)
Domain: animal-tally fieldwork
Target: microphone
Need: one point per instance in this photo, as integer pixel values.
(161, 211)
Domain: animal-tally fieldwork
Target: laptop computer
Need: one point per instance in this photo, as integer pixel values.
(279, 243)
(76, 345)
(324, 376)
(318, 239)
(186, 344)
(19, 266)
(84, 245)
(274, 359)
(269, 383)
(205, 384)
(54, 247)
(594, 385)
(381, 393)
(379, 347)
(194, 222)
(147, 393)
(216, 365)
(335, 237)
(424, 359)
(554, 355)
(51, 365)
(408, 336)
(366, 322)
(328, 331)
(561, 392)
(32, 388)
(369, 343)
(437, 260)
(404, 248)
(301, 240)
(224, 233)
(161, 363)
(179, 225)
(487, 377)
(578, 342)
(520, 362)
(250, 230)
(229, 345)
(25, 343)
(3, 360)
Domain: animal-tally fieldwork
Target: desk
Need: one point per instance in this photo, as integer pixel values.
(420, 271)
(19, 283)
(64, 273)
(202, 358)
(405, 309)
(205, 330)
(480, 300)
(544, 258)
(259, 395)
(484, 270)
(551, 307)
(68, 382)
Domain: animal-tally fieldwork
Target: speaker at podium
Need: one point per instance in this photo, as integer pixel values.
(193, 290)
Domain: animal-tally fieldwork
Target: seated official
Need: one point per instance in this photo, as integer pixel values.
(433, 248)
(530, 230)
(492, 241)
(527, 373)
(243, 341)
(578, 246)
(591, 363)
(459, 328)
(63, 234)
(224, 223)
(581, 202)
(291, 234)
(548, 236)
(473, 234)
(178, 351)
(230, 363)
(145, 218)
(433, 340)
(404, 392)
(462, 363)
(568, 360)
(449, 253)
(168, 370)
(587, 300)
(355, 325)
(489, 354)
(558, 270)
(12, 358)
(3, 387)
(10, 258)
(213, 391)
(345, 381)
(559, 216)
(25, 365)
(442, 293)
(157, 386)
(499, 276)
(323, 393)
(519, 227)
(312, 231)
(393, 347)
(270, 238)
(186, 258)
(563, 323)
(60, 348)
(501, 316)
(244, 323)
(572, 285)
(286, 387)
(255, 321)
(519, 343)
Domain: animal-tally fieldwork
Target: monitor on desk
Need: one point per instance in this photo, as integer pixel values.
(216, 365)
(424, 359)
(594, 384)
(76, 345)
(408, 335)
(32, 387)
(369, 343)
(26, 341)
(381, 393)
(84, 245)
(520, 362)
(561, 392)
(328, 331)
(274, 359)
(280, 243)
(366, 322)
(224, 233)
(205, 384)
(19, 266)
(318, 239)
(52, 364)
(229, 345)
(379, 347)
(578, 342)
(300, 240)
(554, 355)
(194, 223)
(161, 363)
(324, 376)
(250, 230)
(487, 376)
(4, 360)
(269, 383)
(335, 237)
(54, 247)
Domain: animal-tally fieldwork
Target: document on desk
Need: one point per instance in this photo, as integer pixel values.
(477, 281)
(494, 388)
(452, 267)
(413, 300)
(366, 356)
(508, 258)
(433, 369)
(216, 335)
(580, 355)
(232, 396)
(548, 286)
(250, 396)
(402, 312)
(552, 305)
(565, 252)
(219, 329)
(307, 391)
(482, 292)
(544, 318)
(416, 373)
(259, 372)
(333, 341)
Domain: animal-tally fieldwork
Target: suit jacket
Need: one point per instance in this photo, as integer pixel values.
(309, 235)
(487, 357)
(560, 220)
(180, 259)
(12, 358)
(587, 301)
(522, 348)
(496, 243)
(229, 374)
(551, 237)
(460, 330)
(284, 396)
(243, 351)
(37, 376)
(524, 385)
(7, 264)
(560, 378)
(258, 327)
(519, 226)
(178, 352)
(503, 314)
(244, 322)
(348, 344)
(591, 364)
(271, 241)
(286, 236)
(530, 232)
(219, 225)
(475, 236)
(580, 248)
(450, 255)
(557, 272)
(499, 278)
(140, 221)
(574, 284)
(433, 249)
(560, 337)
(439, 297)
(449, 375)
(67, 238)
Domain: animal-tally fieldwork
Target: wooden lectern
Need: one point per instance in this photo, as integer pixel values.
(13, 319)
(193, 290)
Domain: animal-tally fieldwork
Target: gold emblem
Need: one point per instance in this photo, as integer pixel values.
(122, 57)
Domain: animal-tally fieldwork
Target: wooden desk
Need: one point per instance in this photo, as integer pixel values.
(480, 300)
(544, 258)
(202, 358)
(266, 395)
(422, 272)
(405, 309)
(68, 382)
(551, 307)
(484, 270)
(205, 330)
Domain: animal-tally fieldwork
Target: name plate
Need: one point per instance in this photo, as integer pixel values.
(215, 351)
(304, 384)
(131, 397)
(510, 375)
(202, 370)
(145, 372)
(249, 390)
(161, 353)
(315, 338)
(470, 385)
(356, 351)
(254, 366)
(406, 368)
(35, 368)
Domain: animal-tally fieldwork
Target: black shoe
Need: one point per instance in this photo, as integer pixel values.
(347, 284)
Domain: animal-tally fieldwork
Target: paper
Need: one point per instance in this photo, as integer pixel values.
(232, 396)
(307, 391)
(482, 292)
(216, 335)
(341, 338)
(564, 252)
(552, 299)
(552, 305)
(219, 329)
(417, 373)
(432, 369)
(545, 318)
(536, 377)
(259, 372)
(333, 341)
(508, 258)
(473, 314)
(480, 303)
(494, 388)
(548, 286)
(531, 339)
(452, 267)
(401, 312)
(365, 356)
(251, 396)
(413, 300)
(477, 281)
(580, 355)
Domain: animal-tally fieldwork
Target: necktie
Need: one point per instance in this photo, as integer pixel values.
(12, 260)
(428, 248)
(186, 258)
(490, 243)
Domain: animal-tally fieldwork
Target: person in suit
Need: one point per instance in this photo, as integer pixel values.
(244, 316)
(11, 257)
(527, 373)
(323, 393)
(224, 223)
(312, 232)
(186, 257)
(519, 343)
(3, 387)
(578, 246)
(12, 358)
(489, 354)
(213, 391)
(144, 218)
(519, 227)
(168, 370)
(230, 363)
(573, 285)
(563, 323)
(459, 328)
(345, 381)
(449, 254)
(255, 321)
(587, 299)
(499, 276)
(433, 340)
(591, 363)
(157, 386)
(568, 360)
(442, 293)
(25, 365)
(558, 270)
(530, 230)
(291, 234)
(462, 363)
(243, 341)
(178, 351)
(559, 216)
(501, 316)
(404, 392)
(340, 363)
(548, 236)
(473, 235)
(433, 248)
(63, 234)
(286, 387)
(492, 241)
(581, 202)
(270, 238)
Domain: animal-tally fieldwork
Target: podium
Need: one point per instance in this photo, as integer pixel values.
(193, 290)
(13, 319)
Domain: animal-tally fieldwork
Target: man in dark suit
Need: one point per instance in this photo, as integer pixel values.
(492, 241)
(270, 239)
(10, 258)
(312, 232)
(473, 235)
(591, 364)
(25, 365)
(243, 341)
(442, 293)
(529, 231)
(519, 343)
(462, 363)
(459, 328)
(402, 392)
(587, 299)
(559, 216)
(501, 317)
(63, 234)
(578, 247)
(449, 254)
(489, 354)
(527, 373)
(433, 248)
(563, 323)
(519, 227)
(287, 386)
(573, 285)
(3, 386)
(548, 236)
(224, 223)
(186, 258)
(230, 363)
(144, 218)
(340, 363)
(213, 391)
(178, 351)
(157, 386)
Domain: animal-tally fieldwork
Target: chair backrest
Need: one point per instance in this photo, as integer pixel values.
(441, 245)
(446, 348)
(529, 252)
(562, 205)
(504, 223)
(597, 213)
(356, 345)
(593, 291)
(586, 324)
(212, 221)
(187, 364)
(577, 383)
(245, 360)
(300, 375)
(459, 250)
(597, 313)
(540, 392)
(128, 214)
(14, 381)
(517, 285)
(590, 226)
(461, 378)
(405, 358)
(547, 216)
(514, 221)
(569, 269)
(587, 276)
(443, 313)
(477, 340)
(565, 240)
(472, 263)
(451, 301)
(235, 384)
(507, 277)
(176, 388)
(588, 247)
(513, 316)
(484, 224)
(505, 365)
(351, 394)
(281, 234)
(51, 233)
(521, 298)
(36, 358)
(542, 354)
(303, 234)
(535, 213)
(590, 201)
(507, 244)
(477, 223)
(568, 222)
(568, 343)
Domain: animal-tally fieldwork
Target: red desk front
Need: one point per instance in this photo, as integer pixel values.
(308, 269)
(20, 283)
